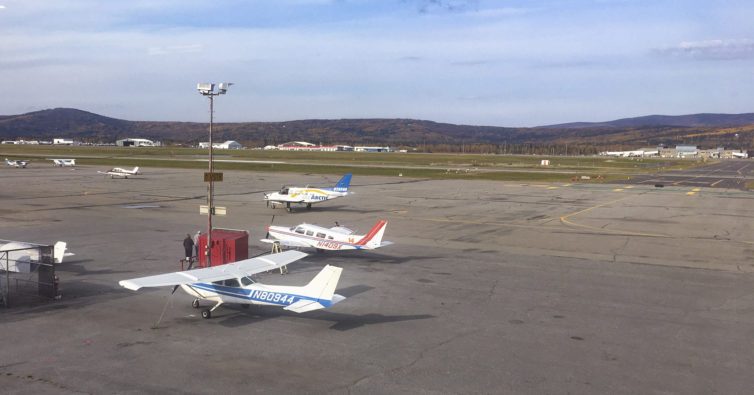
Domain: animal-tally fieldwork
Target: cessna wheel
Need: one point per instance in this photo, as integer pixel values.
(195, 303)
(206, 314)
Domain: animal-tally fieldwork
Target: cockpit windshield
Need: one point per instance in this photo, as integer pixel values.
(248, 280)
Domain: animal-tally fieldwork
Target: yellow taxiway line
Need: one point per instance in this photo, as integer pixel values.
(600, 230)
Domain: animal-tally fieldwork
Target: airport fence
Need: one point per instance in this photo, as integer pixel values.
(28, 273)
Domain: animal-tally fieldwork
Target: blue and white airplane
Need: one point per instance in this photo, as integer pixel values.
(64, 162)
(233, 283)
(308, 195)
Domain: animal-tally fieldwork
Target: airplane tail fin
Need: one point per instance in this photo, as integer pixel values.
(342, 185)
(320, 292)
(136, 170)
(373, 238)
(59, 251)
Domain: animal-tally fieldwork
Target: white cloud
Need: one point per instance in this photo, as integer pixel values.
(730, 49)
(174, 49)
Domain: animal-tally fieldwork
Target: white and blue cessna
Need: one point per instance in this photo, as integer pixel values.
(308, 195)
(233, 283)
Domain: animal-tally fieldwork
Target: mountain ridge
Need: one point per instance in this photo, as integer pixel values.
(700, 129)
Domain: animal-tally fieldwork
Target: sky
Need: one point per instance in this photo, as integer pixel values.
(476, 62)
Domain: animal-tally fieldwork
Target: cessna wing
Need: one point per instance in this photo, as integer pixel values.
(243, 268)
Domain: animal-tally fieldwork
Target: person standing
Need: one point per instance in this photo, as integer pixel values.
(188, 246)
(196, 243)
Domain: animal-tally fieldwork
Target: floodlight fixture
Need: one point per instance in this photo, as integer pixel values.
(223, 88)
(205, 88)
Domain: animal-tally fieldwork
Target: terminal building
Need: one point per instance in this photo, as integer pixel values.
(131, 142)
(680, 151)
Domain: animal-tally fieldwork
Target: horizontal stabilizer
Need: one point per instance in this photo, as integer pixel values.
(303, 306)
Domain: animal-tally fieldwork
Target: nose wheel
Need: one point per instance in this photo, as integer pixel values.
(195, 303)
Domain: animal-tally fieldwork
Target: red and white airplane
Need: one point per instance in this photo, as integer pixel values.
(321, 238)
(122, 173)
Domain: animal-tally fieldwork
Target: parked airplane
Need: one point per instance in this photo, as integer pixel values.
(17, 162)
(308, 195)
(118, 172)
(20, 255)
(63, 162)
(233, 283)
(335, 238)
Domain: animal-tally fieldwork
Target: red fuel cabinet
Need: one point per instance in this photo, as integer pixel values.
(228, 245)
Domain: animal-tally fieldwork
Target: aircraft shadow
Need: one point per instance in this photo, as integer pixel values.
(359, 257)
(76, 267)
(341, 322)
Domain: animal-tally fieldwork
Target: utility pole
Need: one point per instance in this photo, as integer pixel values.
(208, 90)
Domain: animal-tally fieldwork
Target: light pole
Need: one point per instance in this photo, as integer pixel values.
(208, 90)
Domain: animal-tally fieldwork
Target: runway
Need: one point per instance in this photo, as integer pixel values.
(490, 287)
(729, 174)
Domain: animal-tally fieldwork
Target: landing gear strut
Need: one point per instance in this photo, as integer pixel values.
(206, 314)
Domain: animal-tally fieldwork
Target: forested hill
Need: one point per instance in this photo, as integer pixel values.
(708, 130)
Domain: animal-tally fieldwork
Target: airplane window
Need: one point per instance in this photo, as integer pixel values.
(292, 228)
(247, 280)
(284, 191)
(310, 233)
(232, 283)
(330, 238)
(321, 235)
(218, 282)
(300, 230)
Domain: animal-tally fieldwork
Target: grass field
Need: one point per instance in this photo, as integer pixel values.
(442, 166)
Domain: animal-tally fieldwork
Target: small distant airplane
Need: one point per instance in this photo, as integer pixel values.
(335, 238)
(122, 173)
(21, 255)
(63, 162)
(17, 162)
(308, 195)
(233, 283)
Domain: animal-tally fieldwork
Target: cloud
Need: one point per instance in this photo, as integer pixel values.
(427, 6)
(172, 49)
(731, 49)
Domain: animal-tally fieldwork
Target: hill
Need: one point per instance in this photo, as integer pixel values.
(693, 120)
(709, 130)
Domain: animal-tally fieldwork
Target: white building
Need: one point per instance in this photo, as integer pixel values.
(137, 143)
(64, 142)
(230, 144)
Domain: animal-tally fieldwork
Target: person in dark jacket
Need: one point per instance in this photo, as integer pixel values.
(188, 246)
